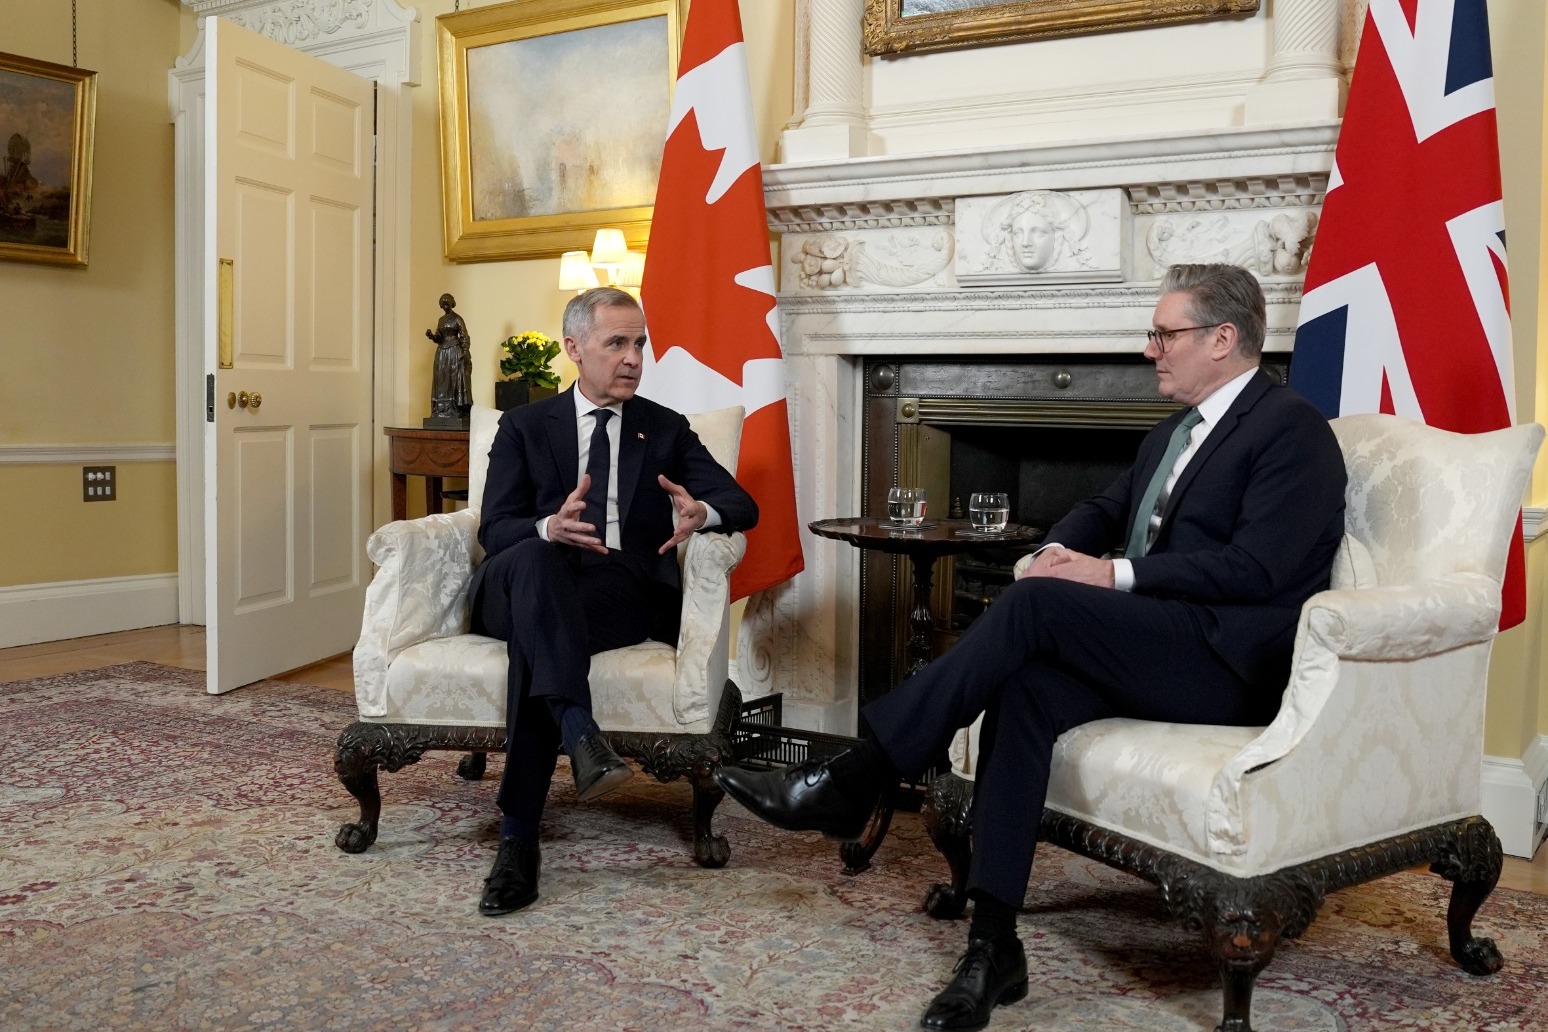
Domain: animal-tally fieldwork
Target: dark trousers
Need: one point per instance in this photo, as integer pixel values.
(556, 607)
(1050, 655)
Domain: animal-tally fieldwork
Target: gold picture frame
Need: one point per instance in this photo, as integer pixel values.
(47, 119)
(553, 119)
(913, 26)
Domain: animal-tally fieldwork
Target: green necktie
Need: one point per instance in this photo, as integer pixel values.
(1147, 503)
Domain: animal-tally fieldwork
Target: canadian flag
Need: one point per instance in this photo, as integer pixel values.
(708, 290)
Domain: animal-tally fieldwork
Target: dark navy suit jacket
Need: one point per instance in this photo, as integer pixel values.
(1250, 529)
(534, 465)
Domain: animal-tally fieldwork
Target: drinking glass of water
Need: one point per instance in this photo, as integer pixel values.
(906, 506)
(989, 511)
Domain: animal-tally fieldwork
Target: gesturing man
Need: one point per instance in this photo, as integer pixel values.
(587, 497)
(1173, 595)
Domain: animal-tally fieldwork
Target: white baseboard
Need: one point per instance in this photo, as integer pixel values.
(30, 613)
(1511, 790)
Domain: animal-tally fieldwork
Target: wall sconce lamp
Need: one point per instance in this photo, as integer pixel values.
(610, 255)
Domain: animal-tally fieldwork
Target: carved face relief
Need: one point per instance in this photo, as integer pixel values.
(1033, 241)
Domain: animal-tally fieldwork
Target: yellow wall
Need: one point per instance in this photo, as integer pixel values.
(86, 355)
(1517, 712)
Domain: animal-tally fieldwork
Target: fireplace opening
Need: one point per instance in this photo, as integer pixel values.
(1045, 471)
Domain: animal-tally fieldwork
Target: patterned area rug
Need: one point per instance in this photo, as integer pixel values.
(167, 862)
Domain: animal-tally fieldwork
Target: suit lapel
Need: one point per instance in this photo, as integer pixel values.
(562, 439)
(1255, 389)
(631, 455)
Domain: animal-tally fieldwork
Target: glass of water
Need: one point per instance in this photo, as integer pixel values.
(989, 511)
(906, 506)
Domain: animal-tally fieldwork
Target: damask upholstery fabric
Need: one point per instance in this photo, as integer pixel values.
(416, 663)
(1381, 728)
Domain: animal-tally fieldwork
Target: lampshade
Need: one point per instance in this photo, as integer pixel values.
(632, 272)
(609, 248)
(575, 271)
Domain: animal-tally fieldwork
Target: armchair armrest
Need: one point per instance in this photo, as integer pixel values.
(1363, 653)
(703, 640)
(419, 592)
(1405, 621)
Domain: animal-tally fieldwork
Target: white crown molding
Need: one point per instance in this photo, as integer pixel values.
(1217, 155)
(371, 37)
(94, 454)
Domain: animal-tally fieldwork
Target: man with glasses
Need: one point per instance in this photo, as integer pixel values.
(1171, 596)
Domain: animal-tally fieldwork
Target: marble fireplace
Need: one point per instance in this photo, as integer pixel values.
(1039, 260)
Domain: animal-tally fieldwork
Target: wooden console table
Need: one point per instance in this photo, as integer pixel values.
(432, 454)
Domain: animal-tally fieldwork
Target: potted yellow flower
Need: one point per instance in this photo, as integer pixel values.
(525, 366)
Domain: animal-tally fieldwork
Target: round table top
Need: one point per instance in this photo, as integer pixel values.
(937, 537)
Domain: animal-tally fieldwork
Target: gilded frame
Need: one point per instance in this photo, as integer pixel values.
(48, 118)
(888, 30)
(517, 114)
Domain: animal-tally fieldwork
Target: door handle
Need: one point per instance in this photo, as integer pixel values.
(244, 399)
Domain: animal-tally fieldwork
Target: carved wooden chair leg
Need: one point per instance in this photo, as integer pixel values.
(1242, 944)
(359, 755)
(709, 849)
(857, 855)
(947, 813)
(471, 766)
(1471, 862)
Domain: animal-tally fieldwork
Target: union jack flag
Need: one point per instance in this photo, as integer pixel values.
(1406, 307)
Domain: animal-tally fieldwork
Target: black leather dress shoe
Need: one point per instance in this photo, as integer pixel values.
(512, 882)
(800, 797)
(597, 768)
(991, 972)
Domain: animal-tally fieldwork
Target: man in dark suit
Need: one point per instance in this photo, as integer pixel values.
(1173, 596)
(588, 495)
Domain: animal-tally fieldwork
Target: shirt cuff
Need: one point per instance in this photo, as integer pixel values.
(1123, 575)
(1025, 562)
(542, 527)
(711, 517)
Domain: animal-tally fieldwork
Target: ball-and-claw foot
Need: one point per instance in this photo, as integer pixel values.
(1479, 956)
(711, 851)
(354, 838)
(944, 902)
(471, 767)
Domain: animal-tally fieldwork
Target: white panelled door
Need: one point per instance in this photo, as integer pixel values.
(289, 186)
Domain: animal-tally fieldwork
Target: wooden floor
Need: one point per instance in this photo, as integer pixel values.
(184, 647)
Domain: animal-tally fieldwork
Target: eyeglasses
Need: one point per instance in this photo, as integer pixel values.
(1162, 339)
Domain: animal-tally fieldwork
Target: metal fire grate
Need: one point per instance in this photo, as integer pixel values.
(761, 742)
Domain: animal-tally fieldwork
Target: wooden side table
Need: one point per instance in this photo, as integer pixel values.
(934, 539)
(432, 454)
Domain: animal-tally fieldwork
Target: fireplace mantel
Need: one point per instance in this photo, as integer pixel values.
(907, 256)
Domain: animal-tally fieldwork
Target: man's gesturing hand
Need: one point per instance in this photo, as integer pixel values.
(691, 514)
(565, 527)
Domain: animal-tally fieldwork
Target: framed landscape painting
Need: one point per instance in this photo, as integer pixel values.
(47, 115)
(553, 119)
(903, 26)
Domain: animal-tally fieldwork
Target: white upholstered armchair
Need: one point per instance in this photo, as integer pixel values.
(1374, 761)
(423, 682)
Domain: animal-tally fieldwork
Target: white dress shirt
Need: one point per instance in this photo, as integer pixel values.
(585, 425)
